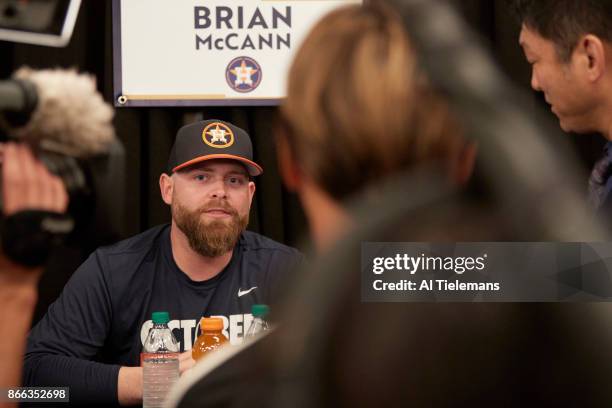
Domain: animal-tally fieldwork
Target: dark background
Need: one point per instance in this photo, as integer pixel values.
(148, 133)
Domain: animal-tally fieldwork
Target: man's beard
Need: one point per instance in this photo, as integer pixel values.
(212, 238)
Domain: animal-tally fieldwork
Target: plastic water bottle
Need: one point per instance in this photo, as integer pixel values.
(160, 362)
(259, 322)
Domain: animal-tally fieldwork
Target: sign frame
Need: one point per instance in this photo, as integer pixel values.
(169, 100)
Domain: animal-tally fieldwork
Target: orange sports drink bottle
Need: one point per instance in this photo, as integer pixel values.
(210, 339)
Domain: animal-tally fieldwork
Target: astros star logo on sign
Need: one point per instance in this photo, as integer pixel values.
(243, 74)
(218, 135)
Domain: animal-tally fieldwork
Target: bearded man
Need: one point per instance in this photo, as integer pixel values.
(203, 264)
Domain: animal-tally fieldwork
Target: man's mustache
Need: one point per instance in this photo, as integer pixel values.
(218, 205)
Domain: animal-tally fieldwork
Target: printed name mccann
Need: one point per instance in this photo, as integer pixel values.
(235, 19)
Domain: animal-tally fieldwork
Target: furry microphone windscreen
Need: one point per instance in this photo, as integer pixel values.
(71, 116)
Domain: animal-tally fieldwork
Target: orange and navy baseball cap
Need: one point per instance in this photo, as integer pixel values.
(212, 139)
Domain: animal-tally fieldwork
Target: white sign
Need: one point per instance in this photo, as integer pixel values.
(208, 52)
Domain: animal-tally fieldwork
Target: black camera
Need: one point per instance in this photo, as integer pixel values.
(75, 140)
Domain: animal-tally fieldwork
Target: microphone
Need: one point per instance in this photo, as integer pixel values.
(18, 98)
(60, 114)
(57, 110)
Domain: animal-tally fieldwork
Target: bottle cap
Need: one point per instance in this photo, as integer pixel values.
(160, 317)
(260, 310)
(211, 323)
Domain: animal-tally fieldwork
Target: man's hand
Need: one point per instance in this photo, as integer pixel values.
(186, 361)
(27, 184)
(129, 386)
(129, 383)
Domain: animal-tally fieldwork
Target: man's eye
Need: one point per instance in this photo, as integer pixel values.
(201, 177)
(237, 180)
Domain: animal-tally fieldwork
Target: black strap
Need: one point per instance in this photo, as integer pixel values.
(29, 237)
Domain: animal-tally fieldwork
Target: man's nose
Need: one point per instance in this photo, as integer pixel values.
(535, 83)
(218, 189)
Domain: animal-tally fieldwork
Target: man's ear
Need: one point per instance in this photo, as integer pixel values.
(288, 167)
(592, 56)
(166, 186)
(251, 192)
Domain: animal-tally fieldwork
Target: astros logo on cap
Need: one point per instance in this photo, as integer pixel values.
(218, 135)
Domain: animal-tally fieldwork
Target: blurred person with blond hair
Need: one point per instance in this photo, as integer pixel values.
(358, 110)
